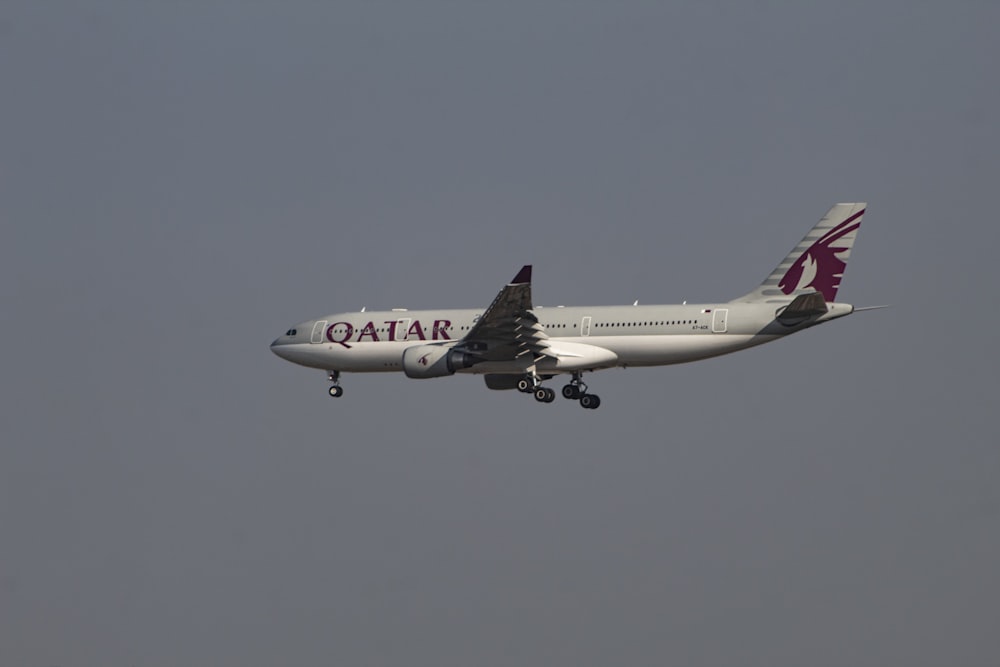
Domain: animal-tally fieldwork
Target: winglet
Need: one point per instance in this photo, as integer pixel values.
(523, 276)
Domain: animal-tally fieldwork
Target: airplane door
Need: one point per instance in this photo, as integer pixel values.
(319, 329)
(585, 326)
(719, 320)
(402, 328)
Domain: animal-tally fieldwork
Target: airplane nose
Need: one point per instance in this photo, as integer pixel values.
(289, 346)
(277, 346)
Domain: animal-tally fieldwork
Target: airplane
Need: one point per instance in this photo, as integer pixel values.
(516, 345)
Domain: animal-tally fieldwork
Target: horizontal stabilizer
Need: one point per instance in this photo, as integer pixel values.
(802, 307)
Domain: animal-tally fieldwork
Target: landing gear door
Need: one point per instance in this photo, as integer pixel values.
(719, 320)
(319, 329)
(585, 326)
(402, 326)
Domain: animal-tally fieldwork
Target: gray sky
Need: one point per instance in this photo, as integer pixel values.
(182, 181)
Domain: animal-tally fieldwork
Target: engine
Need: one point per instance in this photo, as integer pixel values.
(501, 382)
(434, 361)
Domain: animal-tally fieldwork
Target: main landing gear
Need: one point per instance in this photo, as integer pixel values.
(544, 395)
(576, 390)
(336, 391)
(532, 384)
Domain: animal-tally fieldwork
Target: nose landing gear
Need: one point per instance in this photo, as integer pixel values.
(336, 391)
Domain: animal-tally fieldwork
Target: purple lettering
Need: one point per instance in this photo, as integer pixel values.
(348, 332)
(392, 328)
(416, 330)
(441, 329)
(369, 330)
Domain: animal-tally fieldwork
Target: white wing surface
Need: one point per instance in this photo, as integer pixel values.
(509, 330)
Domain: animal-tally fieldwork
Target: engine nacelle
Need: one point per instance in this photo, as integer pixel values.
(502, 382)
(434, 361)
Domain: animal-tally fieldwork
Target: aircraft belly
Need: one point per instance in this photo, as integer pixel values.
(517, 367)
(676, 348)
(384, 356)
(369, 357)
(652, 350)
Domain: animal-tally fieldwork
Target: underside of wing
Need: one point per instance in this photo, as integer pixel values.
(509, 330)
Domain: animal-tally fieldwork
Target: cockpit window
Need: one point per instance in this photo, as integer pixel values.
(291, 332)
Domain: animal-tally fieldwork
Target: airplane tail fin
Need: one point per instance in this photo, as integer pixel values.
(817, 263)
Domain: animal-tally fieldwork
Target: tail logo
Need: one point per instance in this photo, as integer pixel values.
(820, 266)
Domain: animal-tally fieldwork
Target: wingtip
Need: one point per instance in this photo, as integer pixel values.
(523, 276)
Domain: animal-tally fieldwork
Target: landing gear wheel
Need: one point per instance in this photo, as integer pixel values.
(576, 389)
(571, 392)
(336, 391)
(525, 385)
(590, 401)
(545, 395)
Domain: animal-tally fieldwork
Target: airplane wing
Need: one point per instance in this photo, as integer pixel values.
(508, 329)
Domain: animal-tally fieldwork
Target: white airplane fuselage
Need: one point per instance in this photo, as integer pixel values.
(516, 345)
(373, 342)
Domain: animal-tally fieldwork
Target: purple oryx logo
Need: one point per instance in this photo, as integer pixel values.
(819, 267)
